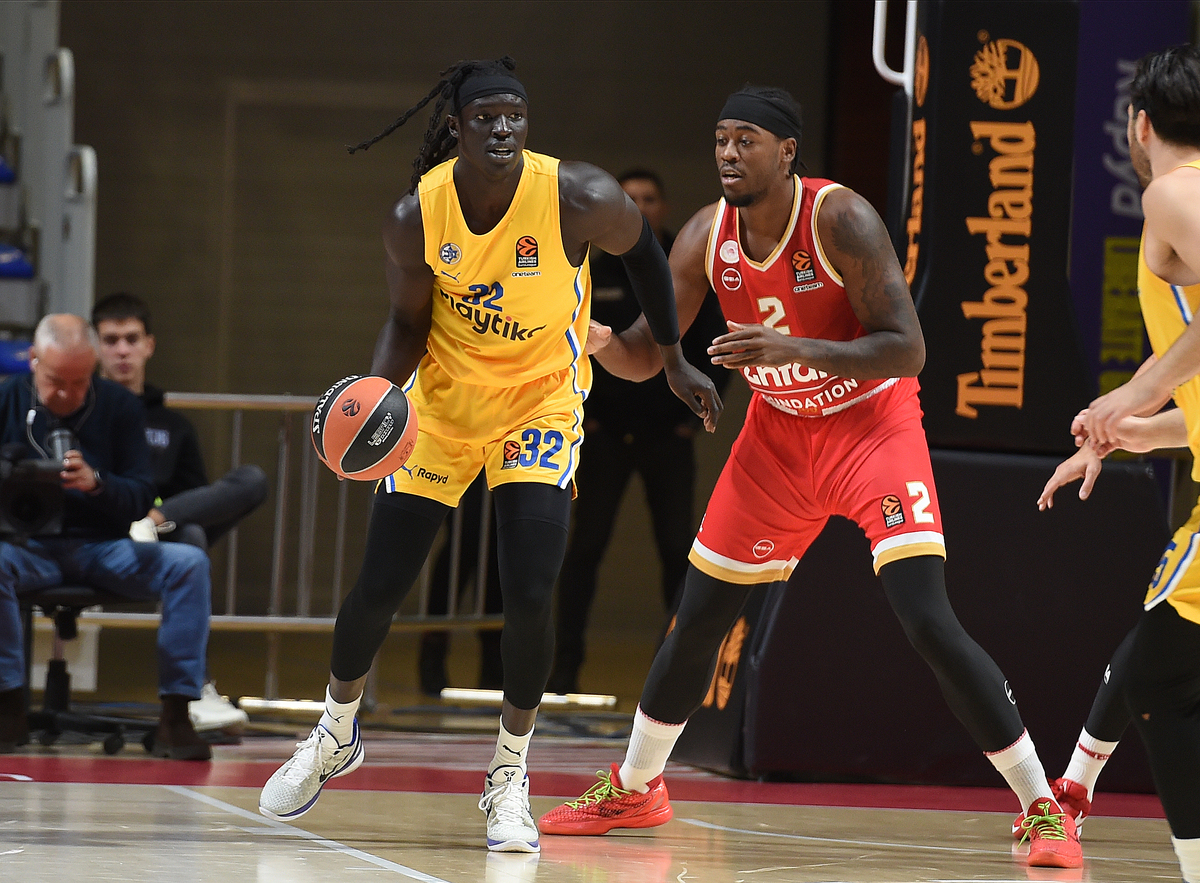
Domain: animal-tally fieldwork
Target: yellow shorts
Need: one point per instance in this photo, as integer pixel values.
(530, 432)
(1177, 579)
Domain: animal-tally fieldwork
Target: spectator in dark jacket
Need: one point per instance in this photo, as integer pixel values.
(106, 477)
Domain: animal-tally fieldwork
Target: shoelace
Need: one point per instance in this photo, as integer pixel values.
(506, 803)
(1047, 825)
(310, 757)
(601, 791)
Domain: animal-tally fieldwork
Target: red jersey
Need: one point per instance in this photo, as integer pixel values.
(797, 292)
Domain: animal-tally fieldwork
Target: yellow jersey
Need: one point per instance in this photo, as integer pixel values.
(1167, 310)
(508, 307)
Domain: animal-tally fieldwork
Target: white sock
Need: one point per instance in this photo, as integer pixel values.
(650, 745)
(339, 717)
(511, 753)
(1188, 852)
(1088, 758)
(1022, 769)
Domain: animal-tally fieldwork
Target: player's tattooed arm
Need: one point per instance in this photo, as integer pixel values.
(856, 242)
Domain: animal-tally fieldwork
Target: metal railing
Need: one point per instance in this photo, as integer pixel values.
(292, 611)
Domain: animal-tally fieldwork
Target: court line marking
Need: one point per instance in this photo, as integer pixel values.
(894, 845)
(282, 828)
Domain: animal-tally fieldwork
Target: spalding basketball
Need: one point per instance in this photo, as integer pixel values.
(363, 428)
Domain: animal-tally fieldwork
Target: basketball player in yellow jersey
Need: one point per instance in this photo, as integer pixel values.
(488, 278)
(1156, 671)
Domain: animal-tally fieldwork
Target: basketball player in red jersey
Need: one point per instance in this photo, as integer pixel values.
(823, 328)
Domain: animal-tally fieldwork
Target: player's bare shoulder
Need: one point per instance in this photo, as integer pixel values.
(1171, 205)
(691, 243)
(849, 226)
(583, 187)
(404, 231)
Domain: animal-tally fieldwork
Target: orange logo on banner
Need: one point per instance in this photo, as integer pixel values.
(921, 74)
(1005, 74)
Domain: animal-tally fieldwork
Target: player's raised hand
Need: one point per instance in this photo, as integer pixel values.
(747, 345)
(1084, 463)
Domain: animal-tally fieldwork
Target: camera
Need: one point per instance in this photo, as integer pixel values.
(31, 494)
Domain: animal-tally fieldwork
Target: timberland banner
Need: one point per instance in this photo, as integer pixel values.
(988, 223)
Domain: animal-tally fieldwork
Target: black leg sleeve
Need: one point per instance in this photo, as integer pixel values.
(531, 528)
(401, 532)
(1163, 691)
(1109, 717)
(684, 665)
(972, 684)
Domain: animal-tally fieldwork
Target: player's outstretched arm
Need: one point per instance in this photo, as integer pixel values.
(596, 210)
(401, 341)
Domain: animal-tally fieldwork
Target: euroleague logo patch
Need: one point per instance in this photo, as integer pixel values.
(731, 279)
(802, 266)
(527, 251)
(893, 510)
(512, 450)
(763, 548)
(450, 253)
(350, 407)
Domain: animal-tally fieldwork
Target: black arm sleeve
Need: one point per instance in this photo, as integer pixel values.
(650, 276)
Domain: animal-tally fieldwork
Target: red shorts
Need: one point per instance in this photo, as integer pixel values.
(786, 475)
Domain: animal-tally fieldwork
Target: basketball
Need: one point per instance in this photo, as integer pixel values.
(363, 428)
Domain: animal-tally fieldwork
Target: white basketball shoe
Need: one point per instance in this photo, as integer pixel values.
(505, 800)
(295, 786)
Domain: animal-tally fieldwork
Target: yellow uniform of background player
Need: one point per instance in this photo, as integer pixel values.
(1154, 676)
(489, 306)
(503, 381)
(1167, 310)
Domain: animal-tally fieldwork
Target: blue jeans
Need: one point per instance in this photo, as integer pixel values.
(173, 573)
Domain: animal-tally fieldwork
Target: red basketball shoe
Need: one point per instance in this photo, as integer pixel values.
(1073, 799)
(606, 805)
(1053, 842)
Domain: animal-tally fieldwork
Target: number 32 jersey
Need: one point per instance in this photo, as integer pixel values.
(508, 307)
(797, 292)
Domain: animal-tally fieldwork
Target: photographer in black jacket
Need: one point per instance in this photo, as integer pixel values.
(108, 484)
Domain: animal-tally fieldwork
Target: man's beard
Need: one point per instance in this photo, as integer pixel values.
(741, 201)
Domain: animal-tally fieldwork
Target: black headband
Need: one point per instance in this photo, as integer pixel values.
(482, 85)
(762, 112)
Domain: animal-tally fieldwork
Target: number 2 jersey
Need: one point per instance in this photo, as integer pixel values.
(813, 444)
(795, 291)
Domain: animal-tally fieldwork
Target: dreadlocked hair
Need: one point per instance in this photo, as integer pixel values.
(438, 141)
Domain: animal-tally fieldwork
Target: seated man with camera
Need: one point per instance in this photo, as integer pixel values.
(107, 483)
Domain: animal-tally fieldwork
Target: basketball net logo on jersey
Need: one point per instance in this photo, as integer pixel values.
(795, 292)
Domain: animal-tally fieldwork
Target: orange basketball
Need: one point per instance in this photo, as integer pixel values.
(363, 428)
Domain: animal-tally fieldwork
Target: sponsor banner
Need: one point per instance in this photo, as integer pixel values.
(1106, 223)
(986, 232)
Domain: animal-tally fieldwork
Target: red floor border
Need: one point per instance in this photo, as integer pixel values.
(116, 770)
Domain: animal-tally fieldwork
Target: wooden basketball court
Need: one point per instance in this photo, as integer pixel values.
(72, 814)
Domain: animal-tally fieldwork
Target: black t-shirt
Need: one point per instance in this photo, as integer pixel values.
(650, 406)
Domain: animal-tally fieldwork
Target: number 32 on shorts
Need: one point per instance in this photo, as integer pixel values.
(536, 448)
